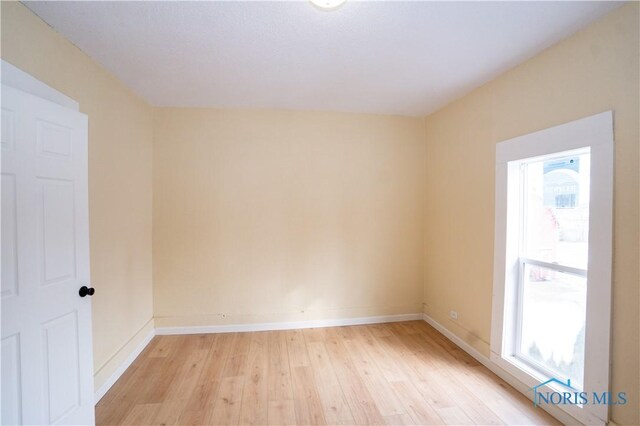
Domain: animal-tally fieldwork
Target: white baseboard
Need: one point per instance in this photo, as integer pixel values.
(285, 325)
(518, 385)
(113, 378)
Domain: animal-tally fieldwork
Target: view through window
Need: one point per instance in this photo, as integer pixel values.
(554, 218)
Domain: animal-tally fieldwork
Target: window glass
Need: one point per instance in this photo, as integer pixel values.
(556, 209)
(554, 307)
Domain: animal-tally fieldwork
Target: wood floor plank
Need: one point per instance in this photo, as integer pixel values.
(171, 367)
(116, 408)
(386, 364)
(141, 414)
(410, 327)
(164, 346)
(436, 358)
(395, 347)
(379, 389)
(379, 330)
(255, 398)
(506, 412)
(336, 409)
(418, 409)
(306, 400)
(279, 382)
(209, 381)
(363, 407)
(282, 413)
(238, 360)
(345, 333)
(205, 341)
(297, 348)
(192, 418)
(226, 409)
(399, 419)
(181, 389)
(502, 399)
(314, 335)
(468, 400)
(410, 363)
(410, 341)
(434, 391)
(399, 329)
(440, 344)
(121, 387)
(359, 331)
(454, 416)
(146, 389)
(398, 373)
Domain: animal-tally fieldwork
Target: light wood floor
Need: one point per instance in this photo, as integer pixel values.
(399, 373)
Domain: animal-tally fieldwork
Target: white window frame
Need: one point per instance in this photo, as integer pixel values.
(596, 133)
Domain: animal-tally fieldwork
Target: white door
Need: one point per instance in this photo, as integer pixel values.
(47, 371)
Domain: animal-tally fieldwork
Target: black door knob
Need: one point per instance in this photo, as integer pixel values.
(85, 291)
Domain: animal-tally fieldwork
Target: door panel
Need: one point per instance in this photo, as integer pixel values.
(11, 395)
(9, 237)
(8, 127)
(54, 141)
(61, 375)
(57, 239)
(47, 364)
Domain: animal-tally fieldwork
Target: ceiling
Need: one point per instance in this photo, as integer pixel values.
(406, 58)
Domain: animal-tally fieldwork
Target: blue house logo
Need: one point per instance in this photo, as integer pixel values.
(539, 396)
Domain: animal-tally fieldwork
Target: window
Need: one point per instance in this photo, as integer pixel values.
(552, 280)
(553, 228)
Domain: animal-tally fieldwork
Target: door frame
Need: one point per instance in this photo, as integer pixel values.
(21, 80)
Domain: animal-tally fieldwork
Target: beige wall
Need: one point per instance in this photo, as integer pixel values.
(281, 216)
(120, 143)
(593, 71)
